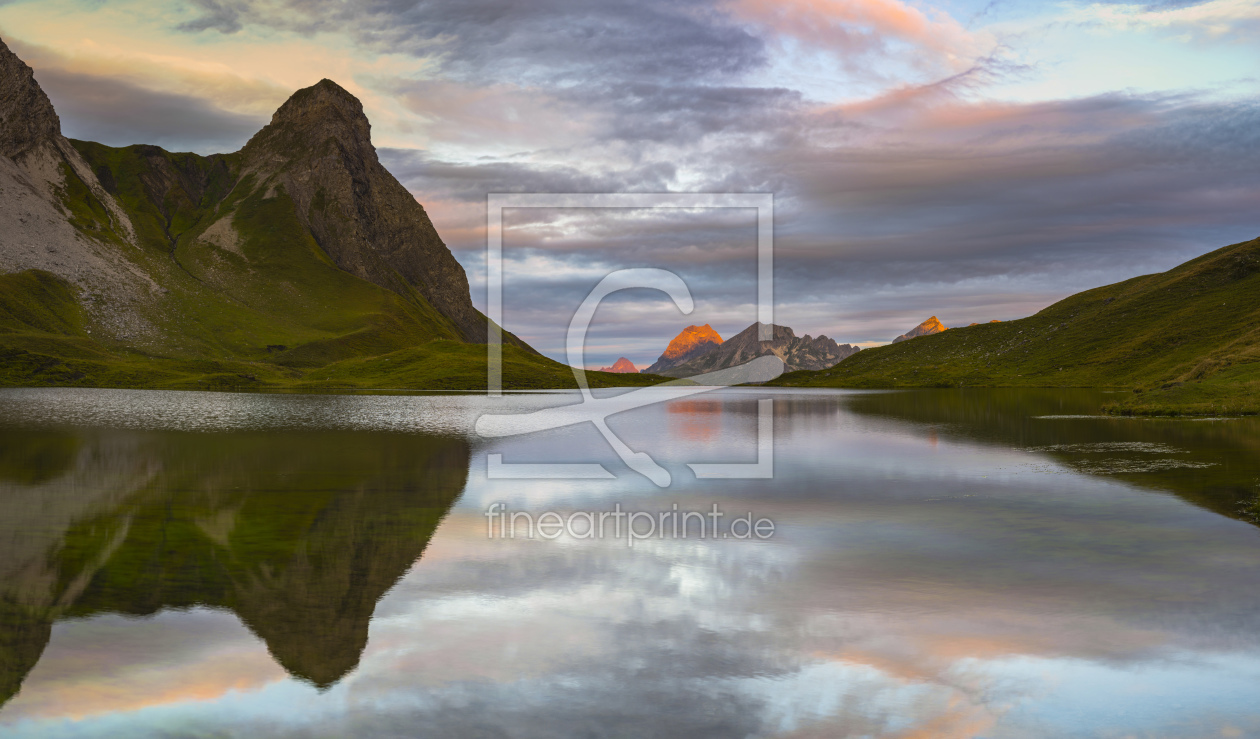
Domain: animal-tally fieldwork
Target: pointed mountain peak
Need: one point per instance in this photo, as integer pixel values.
(26, 114)
(622, 365)
(928, 327)
(312, 116)
(777, 331)
(689, 339)
(322, 94)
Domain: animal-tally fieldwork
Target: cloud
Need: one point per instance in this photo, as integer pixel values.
(550, 41)
(116, 113)
(119, 100)
(858, 28)
(915, 204)
(1215, 20)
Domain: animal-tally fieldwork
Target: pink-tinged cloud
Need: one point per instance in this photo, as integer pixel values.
(847, 26)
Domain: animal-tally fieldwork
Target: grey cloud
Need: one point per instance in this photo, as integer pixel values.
(114, 112)
(472, 182)
(685, 114)
(547, 41)
(871, 238)
(224, 17)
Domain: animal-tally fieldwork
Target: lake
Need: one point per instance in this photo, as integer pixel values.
(942, 563)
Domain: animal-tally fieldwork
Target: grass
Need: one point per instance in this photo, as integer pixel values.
(1187, 339)
(264, 308)
(44, 342)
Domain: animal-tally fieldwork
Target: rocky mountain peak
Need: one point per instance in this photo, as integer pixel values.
(26, 114)
(797, 352)
(690, 343)
(312, 116)
(928, 327)
(621, 366)
(689, 338)
(318, 152)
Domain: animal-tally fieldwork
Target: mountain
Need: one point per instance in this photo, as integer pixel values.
(1188, 339)
(296, 261)
(690, 343)
(318, 150)
(620, 366)
(798, 353)
(927, 328)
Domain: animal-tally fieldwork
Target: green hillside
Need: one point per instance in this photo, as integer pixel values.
(242, 297)
(1186, 341)
(45, 341)
(298, 261)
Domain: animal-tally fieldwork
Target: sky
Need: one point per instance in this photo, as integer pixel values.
(972, 160)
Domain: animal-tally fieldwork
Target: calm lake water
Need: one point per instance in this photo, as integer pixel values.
(944, 564)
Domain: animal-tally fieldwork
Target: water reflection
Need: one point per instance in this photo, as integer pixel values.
(944, 565)
(299, 535)
(1214, 463)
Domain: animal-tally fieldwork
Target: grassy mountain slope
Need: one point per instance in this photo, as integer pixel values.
(45, 340)
(269, 311)
(1188, 340)
(292, 262)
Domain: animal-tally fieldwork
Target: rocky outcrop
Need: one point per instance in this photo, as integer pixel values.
(622, 365)
(690, 343)
(798, 353)
(318, 149)
(40, 174)
(27, 118)
(927, 328)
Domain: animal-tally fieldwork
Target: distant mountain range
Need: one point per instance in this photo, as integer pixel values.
(699, 349)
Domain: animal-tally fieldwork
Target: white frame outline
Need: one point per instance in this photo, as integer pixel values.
(763, 203)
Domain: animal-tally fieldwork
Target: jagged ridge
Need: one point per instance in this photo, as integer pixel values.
(797, 353)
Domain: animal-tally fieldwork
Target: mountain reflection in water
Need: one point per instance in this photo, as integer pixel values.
(299, 534)
(945, 563)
